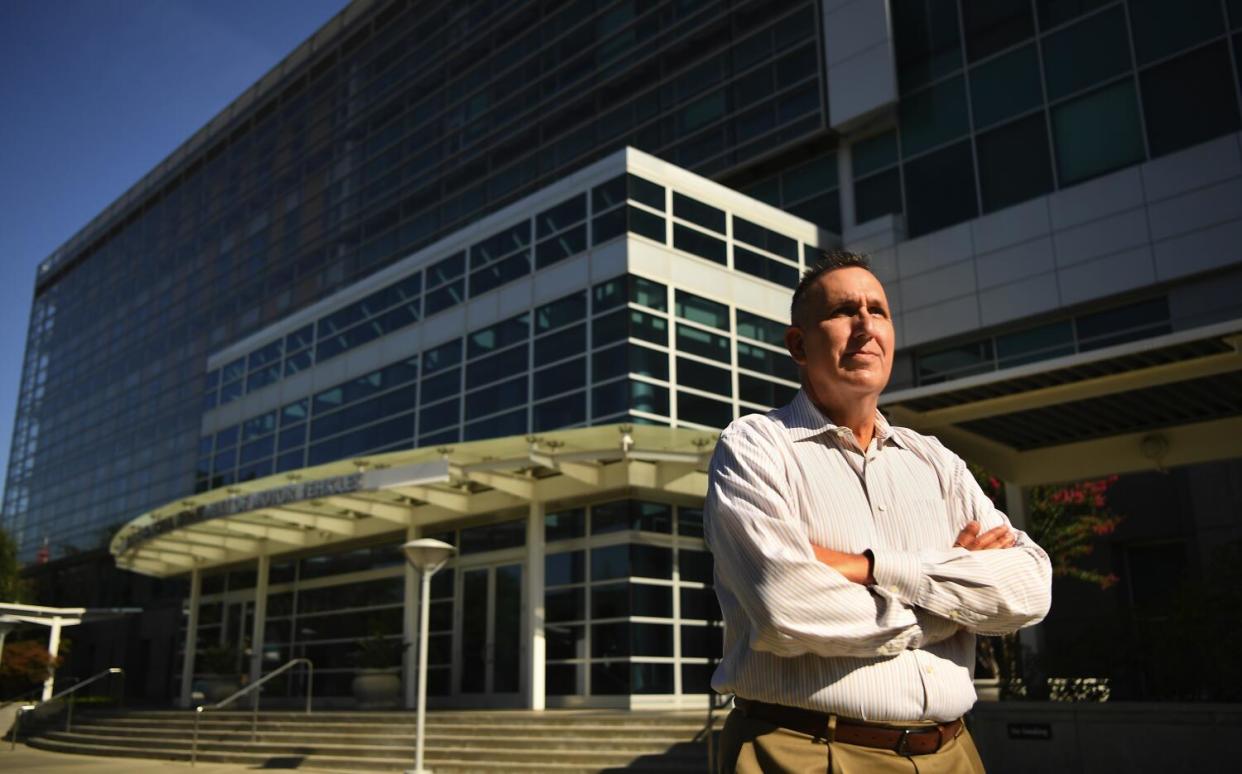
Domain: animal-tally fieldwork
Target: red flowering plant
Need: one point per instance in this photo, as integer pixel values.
(1066, 520)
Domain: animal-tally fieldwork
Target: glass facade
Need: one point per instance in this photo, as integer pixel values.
(1005, 100)
(406, 126)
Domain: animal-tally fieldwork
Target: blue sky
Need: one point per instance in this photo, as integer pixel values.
(95, 93)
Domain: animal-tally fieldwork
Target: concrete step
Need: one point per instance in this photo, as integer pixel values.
(653, 739)
(593, 730)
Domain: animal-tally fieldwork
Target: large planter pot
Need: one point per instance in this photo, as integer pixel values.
(376, 689)
(218, 687)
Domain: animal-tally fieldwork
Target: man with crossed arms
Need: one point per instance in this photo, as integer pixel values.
(855, 561)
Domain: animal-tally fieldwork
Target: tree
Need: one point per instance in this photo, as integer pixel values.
(1066, 520)
(12, 586)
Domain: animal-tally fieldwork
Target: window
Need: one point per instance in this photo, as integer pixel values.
(700, 244)
(1097, 133)
(1162, 28)
(752, 326)
(1119, 325)
(645, 224)
(703, 411)
(763, 267)
(562, 216)
(766, 239)
(993, 25)
(648, 293)
(933, 117)
(564, 411)
(698, 213)
(1041, 343)
(940, 189)
(954, 362)
(1189, 99)
(1005, 86)
(1055, 12)
(928, 41)
(1087, 53)
(701, 376)
(700, 310)
(700, 342)
(631, 514)
(877, 195)
(561, 312)
(1014, 163)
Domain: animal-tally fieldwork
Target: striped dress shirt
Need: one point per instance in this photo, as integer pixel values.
(796, 631)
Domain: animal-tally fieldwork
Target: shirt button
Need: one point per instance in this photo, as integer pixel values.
(928, 670)
(880, 507)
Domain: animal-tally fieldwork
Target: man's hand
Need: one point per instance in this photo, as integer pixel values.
(855, 567)
(997, 537)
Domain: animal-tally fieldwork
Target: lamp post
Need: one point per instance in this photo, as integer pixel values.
(427, 556)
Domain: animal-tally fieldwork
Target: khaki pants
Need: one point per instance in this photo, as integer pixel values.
(752, 746)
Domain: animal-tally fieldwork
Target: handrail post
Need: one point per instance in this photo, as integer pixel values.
(310, 681)
(254, 717)
(17, 720)
(69, 714)
(194, 745)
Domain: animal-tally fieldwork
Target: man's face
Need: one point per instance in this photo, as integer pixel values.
(843, 337)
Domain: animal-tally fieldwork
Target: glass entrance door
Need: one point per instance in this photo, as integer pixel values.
(491, 632)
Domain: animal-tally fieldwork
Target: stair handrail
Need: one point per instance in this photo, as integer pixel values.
(71, 692)
(256, 685)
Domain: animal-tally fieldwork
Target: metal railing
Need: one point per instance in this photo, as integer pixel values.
(256, 685)
(72, 694)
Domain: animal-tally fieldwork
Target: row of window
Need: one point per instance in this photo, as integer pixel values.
(1080, 333)
(551, 236)
(1023, 114)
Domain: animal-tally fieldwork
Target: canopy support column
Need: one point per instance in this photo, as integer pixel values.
(260, 620)
(536, 641)
(191, 637)
(409, 628)
(53, 647)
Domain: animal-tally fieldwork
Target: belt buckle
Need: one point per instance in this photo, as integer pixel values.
(903, 743)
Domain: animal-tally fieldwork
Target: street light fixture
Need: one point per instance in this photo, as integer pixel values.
(427, 556)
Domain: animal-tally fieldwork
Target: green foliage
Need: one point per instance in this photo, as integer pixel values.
(12, 587)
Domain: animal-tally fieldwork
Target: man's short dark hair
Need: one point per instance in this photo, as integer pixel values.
(828, 260)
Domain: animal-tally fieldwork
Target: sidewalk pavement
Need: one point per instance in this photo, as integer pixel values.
(27, 759)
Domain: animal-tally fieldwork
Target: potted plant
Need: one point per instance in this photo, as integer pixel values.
(378, 682)
(218, 665)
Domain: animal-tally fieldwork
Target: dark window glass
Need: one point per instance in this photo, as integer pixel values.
(444, 297)
(299, 361)
(498, 397)
(566, 567)
(877, 195)
(700, 342)
(698, 213)
(559, 345)
(767, 362)
(608, 328)
(1189, 99)
(694, 565)
(764, 268)
(1124, 323)
(700, 604)
(260, 425)
(442, 385)
(631, 514)
(645, 224)
(1005, 86)
(442, 356)
(1028, 346)
(763, 392)
(1014, 163)
(234, 370)
(645, 192)
(752, 326)
(648, 327)
(689, 522)
(872, 154)
(439, 416)
(823, 210)
(933, 116)
(447, 269)
(608, 194)
(940, 189)
(499, 245)
(563, 525)
(692, 373)
(561, 412)
(700, 310)
(292, 437)
(498, 336)
(294, 412)
(765, 238)
(703, 411)
(700, 244)
(621, 678)
(992, 25)
(609, 399)
(609, 293)
(492, 537)
(610, 225)
(697, 678)
(560, 217)
(1085, 54)
(227, 437)
(953, 362)
(631, 560)
(1054, 12)
(565, 605)
(648, 397)
(1097, 133)
(560, 378)
(648, 293)
(265, 355)
(563, 311)
(560, 247)
(513, 423)
(607, 363)
(300, 339)
(648, 362)
(563, 679)
(1162, 27)
(928, 41)
(500, 272)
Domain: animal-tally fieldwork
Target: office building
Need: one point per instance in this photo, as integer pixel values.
(421, 235)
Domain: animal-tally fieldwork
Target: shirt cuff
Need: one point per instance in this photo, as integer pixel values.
(899, 574)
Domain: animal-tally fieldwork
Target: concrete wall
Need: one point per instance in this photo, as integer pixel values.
(1103, 738)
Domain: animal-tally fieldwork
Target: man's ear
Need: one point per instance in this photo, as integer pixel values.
(796, 344)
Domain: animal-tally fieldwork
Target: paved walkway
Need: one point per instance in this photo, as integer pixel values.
(26, 759)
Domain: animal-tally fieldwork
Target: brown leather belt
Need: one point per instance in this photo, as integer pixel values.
(903, 740)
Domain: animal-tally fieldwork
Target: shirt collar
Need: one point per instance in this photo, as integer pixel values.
(803, 420)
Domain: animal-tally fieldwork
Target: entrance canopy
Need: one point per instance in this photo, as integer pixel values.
(380, 493)
(1144, 405)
